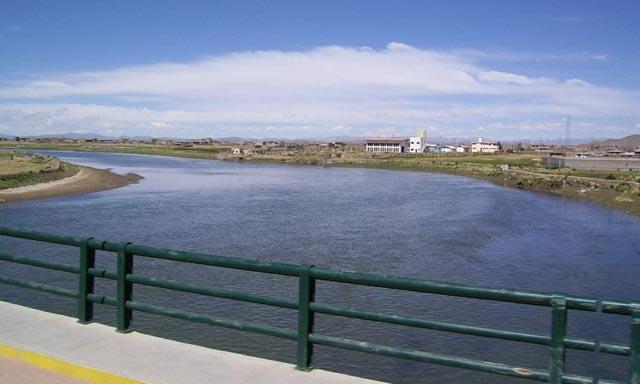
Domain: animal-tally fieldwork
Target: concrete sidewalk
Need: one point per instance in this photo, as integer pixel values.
(142, 357)
(18, 372)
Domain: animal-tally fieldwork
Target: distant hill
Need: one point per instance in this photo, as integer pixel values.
(62, 135)
(628, 142)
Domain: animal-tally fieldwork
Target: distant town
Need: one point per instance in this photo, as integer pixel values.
(625, 148)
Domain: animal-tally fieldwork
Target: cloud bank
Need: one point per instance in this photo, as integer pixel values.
(325, 91)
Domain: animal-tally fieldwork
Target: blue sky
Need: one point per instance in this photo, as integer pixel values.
(498, 69)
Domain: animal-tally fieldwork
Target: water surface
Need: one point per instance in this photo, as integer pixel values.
(413, 224)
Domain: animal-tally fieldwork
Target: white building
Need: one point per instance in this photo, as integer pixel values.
(447, 149)
(388, 144)
(418, 143)
(462, 149)
(481, 146)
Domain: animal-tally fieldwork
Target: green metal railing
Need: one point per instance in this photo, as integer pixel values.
(306, 305)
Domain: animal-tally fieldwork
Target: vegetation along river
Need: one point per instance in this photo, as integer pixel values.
(412, 224)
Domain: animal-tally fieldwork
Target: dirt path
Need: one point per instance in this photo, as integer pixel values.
(86, 180)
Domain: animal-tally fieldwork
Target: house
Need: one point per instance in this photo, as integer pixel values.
(418, 143)
(613, 152)
(482, 146)
(432, 148)
(448, 149)
(237, 151)
(387, 144)
(462, 149)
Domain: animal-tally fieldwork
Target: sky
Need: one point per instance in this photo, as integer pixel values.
(504, 70)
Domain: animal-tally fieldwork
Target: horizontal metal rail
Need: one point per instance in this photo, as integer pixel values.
(585, 345)
(199, 318)
(39, 263)
(214, 292)
(198, 289)
(40, 236)
(451, 289)
(38, 287)
(307, 306)
(451, 361)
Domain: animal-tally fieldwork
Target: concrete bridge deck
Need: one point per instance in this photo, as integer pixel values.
(59, 344)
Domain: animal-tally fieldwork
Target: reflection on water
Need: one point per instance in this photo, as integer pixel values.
(411, 224)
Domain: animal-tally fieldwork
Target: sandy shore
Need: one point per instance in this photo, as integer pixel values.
(86, 180)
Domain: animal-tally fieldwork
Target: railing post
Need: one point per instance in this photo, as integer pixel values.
(124, 290)
(634, 366)
(87, 260)
(558, 334)
(306, 294)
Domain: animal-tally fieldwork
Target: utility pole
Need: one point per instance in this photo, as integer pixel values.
(567, 128)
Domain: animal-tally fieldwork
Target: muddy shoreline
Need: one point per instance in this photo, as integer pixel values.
(88, 179)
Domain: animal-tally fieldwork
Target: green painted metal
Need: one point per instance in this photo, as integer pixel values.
(306, 295)
(214, 292)
(211, 320)
(585, 345)
(451, 361)
(199, 258)
(39, 263)
(124, 289)
(558, 335)
(615, 348)
(40, 236)
(617, 307)
(449, 289)
(38, 287)
(85, 282)
(307, 306)
(103, 273)
(634, 364)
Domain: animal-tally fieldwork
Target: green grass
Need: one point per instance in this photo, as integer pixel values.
(612, 175)
(27, 169)
(139, 149)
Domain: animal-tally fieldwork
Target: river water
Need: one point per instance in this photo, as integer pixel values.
(412, 224)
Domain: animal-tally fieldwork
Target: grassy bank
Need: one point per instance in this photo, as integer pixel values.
(207, 152)
(21, 169)
(619, 190)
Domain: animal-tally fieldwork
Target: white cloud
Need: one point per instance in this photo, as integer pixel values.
(503, 77)
(322, 91)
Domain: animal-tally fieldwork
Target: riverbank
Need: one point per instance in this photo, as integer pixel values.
(19, 169)
(618, 190)
(86, 180)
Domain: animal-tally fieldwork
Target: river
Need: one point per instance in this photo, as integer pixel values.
(403, 223)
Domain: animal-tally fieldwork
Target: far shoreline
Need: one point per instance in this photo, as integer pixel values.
(619, 195)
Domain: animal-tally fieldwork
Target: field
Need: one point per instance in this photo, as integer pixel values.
(20, 169)
(198, 152)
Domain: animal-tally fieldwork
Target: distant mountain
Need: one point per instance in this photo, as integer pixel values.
(69, 135)
(628, 142)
